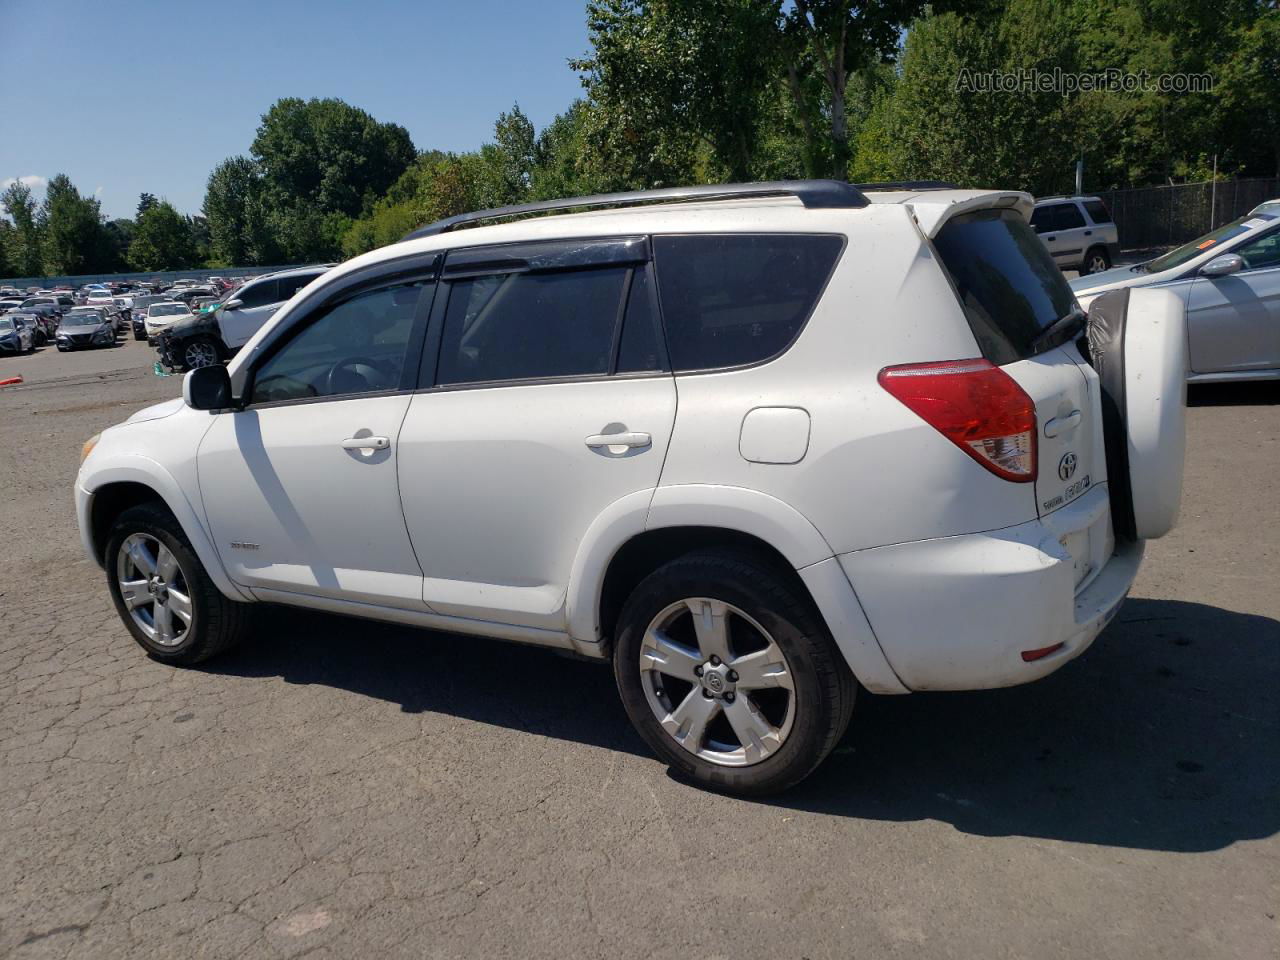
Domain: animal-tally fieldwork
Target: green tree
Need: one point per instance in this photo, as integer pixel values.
(674, 77)
(116, 237)
(328, 155)
(939, 122)
(145, 202)
(1250, 91)
(161, 240)
(6, 238)
(517, 146)
(231, 200)
(73, 238)
(565, 165)
(24, 247)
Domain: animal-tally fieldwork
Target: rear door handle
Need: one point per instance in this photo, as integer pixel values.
(1061, 424)
(1088, 233)
(366, 443)
(619, 440)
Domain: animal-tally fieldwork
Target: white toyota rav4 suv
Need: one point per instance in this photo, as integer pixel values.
(759, 444)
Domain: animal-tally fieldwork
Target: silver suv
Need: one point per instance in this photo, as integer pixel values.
(1078, 231)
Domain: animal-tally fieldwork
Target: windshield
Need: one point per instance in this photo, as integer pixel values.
(1217, 238)
(1008, 284)
(6, 323)
(36, 301)
(167, 310)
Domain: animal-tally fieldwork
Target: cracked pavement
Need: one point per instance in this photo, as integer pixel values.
(343, 789)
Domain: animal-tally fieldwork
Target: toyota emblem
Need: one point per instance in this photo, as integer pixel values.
(1067, 466)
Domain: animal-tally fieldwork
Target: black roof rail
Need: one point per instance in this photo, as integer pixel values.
(907, 185)
(815, 194)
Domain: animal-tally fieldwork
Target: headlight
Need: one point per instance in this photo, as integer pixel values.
(89, 445)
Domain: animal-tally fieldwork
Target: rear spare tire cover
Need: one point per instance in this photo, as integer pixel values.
(1138, 345)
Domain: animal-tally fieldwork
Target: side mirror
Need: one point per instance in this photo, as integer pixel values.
(208, 388)
(233, 305)
(1221, 266)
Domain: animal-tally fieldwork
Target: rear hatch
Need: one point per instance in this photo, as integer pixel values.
(1026, 321)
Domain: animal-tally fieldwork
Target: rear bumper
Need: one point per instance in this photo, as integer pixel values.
(957, 613)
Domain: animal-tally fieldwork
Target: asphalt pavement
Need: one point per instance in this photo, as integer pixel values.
(342, 789)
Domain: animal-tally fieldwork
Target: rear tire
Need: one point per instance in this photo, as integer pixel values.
(148, 537)
(1096, 260)
(738, 732)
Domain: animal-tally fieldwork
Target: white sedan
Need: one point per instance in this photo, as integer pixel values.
(162, 316)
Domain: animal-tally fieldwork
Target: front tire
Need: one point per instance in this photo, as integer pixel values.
(728, 672)
(162, 592)
(200, 352)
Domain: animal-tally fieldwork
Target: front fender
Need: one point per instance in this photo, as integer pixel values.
(133, 468)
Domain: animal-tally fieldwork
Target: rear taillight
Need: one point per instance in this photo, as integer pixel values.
(975, 405)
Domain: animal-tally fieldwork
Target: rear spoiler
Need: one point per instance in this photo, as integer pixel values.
(932, 215)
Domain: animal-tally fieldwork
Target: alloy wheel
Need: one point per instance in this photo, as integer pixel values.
(1097, 263)
(200, 354)
(717, 682)
(154, 589)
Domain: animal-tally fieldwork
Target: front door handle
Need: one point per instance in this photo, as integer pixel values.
(1088, 233)
(619, 440)
(366, 443)
(1062, 424)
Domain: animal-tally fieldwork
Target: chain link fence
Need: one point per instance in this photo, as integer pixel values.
(1167, 216)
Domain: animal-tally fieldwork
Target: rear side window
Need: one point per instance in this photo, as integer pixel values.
(527, 326)
(1006, 280)
(259, 294)
(1097, 211)
(734, 300)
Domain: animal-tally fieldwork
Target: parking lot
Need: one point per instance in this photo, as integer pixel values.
(338, 788)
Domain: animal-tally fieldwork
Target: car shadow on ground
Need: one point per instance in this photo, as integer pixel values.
(1260, 393)
(475, 678)
(1163, 736)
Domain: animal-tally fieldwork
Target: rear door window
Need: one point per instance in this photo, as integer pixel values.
(531, 326)
(733, 300)
(259, 294)
(1069, 217)
(1006, 280)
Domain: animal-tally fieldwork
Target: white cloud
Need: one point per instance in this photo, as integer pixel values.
(32, 180)
(97, 191)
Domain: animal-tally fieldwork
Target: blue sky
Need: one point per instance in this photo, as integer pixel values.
(125, 96)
